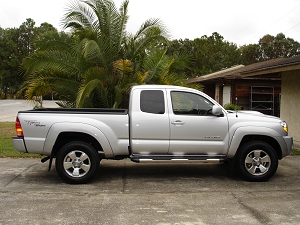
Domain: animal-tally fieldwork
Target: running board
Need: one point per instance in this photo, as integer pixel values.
(177, 158)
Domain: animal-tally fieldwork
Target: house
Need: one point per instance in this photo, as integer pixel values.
(271, 87)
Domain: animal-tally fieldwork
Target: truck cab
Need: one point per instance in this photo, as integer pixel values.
(176, 122)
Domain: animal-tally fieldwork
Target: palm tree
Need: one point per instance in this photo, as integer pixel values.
(100, 62)
(57, 67)
(110, 47)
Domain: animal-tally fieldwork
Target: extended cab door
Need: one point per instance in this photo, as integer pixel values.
(149, 122)
(194, 129)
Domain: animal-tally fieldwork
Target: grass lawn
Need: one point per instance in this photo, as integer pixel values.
(7, 131)
(296, 152)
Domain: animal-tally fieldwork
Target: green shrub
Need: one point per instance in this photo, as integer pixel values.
(230, 106)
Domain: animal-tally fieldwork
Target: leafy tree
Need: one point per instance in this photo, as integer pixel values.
(250, 54)
(279, 46)
(183, 52)
(9, 62)
(206, 54)
(270, 47)
(16, 44)
(26, 37)
(213, 53)
(43, 34)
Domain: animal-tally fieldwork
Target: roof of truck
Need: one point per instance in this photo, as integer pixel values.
(158, 86)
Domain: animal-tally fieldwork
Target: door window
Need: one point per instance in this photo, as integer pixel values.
(185, 103)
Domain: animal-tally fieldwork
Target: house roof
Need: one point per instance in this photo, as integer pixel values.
(230, 73)
(272, 66)
(261, 68)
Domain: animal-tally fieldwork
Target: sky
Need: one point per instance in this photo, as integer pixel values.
(238, 21)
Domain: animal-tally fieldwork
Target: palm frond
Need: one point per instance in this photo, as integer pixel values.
(86, 90)
(95, 78)
(78, 16)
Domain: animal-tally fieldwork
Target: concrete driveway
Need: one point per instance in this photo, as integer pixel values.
(10, 108)
(127, 193)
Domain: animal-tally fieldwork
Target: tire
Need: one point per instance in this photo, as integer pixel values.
(77, 162)
(257, 161)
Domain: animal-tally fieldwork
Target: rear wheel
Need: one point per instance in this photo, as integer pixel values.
(257, 161)
(77, 162)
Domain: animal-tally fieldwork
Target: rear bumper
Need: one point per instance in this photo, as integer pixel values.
(19, 144)
(289, 145)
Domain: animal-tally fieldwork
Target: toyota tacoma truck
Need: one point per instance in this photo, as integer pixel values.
(162, 123)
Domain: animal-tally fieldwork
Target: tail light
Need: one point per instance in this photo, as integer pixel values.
(19, 129)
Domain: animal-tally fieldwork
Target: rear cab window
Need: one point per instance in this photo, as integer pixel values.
(152, 101)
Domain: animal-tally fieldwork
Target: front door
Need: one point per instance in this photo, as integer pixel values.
(194, 129)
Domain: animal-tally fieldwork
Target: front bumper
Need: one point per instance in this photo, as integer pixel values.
(289, 146)
(19, 144)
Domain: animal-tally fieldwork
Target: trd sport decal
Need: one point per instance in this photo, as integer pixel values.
(34, 123)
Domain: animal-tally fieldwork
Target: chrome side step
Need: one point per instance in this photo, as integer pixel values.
(178, 158)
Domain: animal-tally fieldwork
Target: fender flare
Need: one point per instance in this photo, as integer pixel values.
(60, 127)
(241, 132)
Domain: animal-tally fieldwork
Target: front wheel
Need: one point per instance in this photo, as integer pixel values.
(257, 161)
(77, 162)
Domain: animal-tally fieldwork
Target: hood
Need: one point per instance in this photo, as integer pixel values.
(252, 114)
(245, 111)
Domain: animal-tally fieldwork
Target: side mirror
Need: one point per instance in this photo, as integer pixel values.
(217, 110)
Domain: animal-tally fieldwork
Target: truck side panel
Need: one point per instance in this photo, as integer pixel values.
(40, 133)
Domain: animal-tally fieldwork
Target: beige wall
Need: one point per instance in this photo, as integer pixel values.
(290, 103)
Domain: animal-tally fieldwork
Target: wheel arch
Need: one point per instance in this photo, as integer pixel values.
(246, 134)
(263, 138)
(67, 137)
(63, 133)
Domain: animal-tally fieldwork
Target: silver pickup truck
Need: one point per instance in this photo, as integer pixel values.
(163, 123)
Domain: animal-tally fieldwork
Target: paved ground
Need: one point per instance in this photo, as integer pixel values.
(10, 108)
(127, 193)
